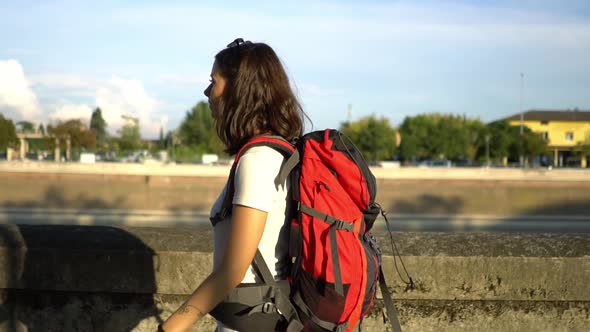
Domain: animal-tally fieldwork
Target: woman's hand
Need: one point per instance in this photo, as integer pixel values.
(247, 226)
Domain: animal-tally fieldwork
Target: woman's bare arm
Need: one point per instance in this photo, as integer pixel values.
(247, 226)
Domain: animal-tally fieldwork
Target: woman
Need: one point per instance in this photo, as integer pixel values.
(249, 95)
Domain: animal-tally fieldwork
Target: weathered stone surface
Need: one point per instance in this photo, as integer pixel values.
(486, 244)
(65, 311)
(493, 316)
(40, 311)
(76, 278)
(491, 278)
(198, 239)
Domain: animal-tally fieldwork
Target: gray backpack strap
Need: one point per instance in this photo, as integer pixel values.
(282, 301)
(391, 312)
(287, 168)
(226, 206)
(262, 269)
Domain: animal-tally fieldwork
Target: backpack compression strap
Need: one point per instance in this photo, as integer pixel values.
(335, 224)
(283, 304)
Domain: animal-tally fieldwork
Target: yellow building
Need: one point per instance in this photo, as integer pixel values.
(563, 130)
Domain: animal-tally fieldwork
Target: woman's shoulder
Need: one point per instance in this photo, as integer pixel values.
(260, 160)
(262, 152)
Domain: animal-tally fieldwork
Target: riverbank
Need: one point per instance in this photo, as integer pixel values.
(435, 191)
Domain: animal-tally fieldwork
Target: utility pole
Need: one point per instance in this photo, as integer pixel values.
(521, 159)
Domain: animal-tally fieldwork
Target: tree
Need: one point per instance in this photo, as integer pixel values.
(41, 129)
(374, 137)
(25, 127)
(507, 142)
(81, 137)
(415, 132)
(98, 125)
(197, 130)
(503, 140)
(130, 138)
(161, 143)
(169, 139)
(534, 144)
(440, 136)
(7, 133)
(477, 132)
(584, 146)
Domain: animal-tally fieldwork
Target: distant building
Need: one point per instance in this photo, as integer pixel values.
(564, 131)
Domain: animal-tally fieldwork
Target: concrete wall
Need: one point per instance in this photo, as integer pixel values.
(161, 169)
(76, 278)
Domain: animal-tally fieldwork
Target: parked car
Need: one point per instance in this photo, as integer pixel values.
(435, 163)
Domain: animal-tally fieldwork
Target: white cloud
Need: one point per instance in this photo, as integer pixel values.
(64, 81)
(66, 112)
(128, 97)
(16, 97)
(116, 97)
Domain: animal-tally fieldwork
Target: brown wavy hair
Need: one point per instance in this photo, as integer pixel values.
(257, 98)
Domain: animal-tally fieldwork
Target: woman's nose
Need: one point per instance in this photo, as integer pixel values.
(207, 91)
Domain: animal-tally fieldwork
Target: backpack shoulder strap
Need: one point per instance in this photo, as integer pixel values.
(276, 142)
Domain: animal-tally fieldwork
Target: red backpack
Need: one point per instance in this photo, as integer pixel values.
(336, 261)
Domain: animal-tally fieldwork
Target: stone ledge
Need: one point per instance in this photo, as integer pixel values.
(79, 311)
(176, 260)
(83, 278)
(199, 239)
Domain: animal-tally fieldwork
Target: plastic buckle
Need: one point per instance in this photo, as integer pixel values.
(343, 225)
(268, 308)
(342, 327)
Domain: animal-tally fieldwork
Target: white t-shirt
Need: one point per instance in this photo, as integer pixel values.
(254, 186)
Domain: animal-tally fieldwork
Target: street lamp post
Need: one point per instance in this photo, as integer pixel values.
(488, 150)
(521, 158)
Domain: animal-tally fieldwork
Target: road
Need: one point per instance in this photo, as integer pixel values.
(398, 222)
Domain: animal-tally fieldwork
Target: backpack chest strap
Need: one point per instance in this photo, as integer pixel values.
(332, 221)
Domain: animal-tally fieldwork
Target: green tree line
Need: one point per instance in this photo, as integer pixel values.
(187, 143)
(425, 136)
(457, 138)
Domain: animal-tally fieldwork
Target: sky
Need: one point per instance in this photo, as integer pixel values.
(346, 59)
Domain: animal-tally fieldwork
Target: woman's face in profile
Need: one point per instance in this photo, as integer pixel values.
(215, 89)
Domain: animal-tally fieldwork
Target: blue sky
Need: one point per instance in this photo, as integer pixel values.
(61, 59)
